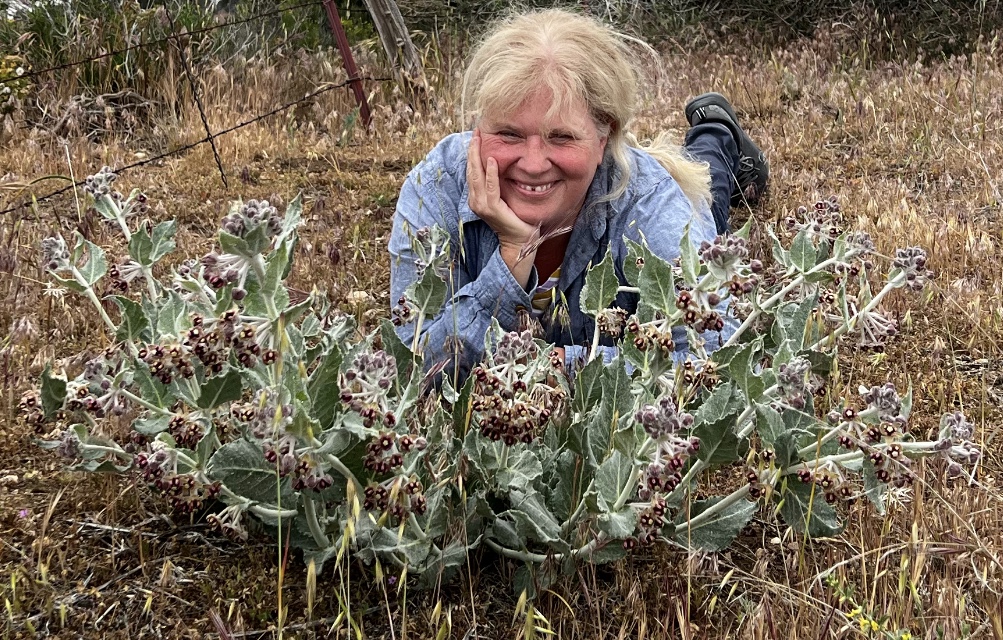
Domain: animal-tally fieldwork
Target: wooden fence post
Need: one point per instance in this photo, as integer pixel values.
(334, 21)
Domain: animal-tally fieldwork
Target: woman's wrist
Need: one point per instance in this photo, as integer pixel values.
(519, 263)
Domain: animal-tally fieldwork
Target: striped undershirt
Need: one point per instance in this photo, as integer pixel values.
(545, 294)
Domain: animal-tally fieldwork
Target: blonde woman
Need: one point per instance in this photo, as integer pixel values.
(549, 179)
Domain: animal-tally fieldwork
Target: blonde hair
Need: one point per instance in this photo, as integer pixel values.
(574, 57)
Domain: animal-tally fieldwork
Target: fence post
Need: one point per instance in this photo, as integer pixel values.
(334, 21)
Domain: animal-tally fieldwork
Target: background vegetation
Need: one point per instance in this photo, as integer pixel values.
(874, 104)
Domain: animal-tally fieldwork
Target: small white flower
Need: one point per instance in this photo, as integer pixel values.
(19, 71)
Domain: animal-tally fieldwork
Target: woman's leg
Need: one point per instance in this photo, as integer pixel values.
(738, 168)
(714, 144)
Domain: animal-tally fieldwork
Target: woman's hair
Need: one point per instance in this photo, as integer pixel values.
(573, 57)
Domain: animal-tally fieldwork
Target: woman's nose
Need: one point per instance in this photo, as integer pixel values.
(534, 158)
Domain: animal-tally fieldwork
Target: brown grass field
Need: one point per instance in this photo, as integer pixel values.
(913, 150)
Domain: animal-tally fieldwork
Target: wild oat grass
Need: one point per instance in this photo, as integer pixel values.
(912, 152)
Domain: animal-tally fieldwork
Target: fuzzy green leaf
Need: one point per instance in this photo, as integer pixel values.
(53, 392)
(742, 367)
(618, 524)
(427, 294)
(769, 424)
(601, 285)
(688, 258)
(134, 324)
(802, 252)
(806, 511)
(324, 388)
(719, 444)
(241, 466)
(152, 425)
(532, 518)
(717, 532)
(521, 471)
(147, 249)
(225, 388)
(611, 478)
(394, 346)
(874, 489)
(96, 265)
(173, 317)
(657, 283)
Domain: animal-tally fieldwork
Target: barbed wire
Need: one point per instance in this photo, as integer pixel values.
(158, 41)
(206, 139)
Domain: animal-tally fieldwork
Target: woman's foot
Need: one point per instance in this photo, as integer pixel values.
(753, 168)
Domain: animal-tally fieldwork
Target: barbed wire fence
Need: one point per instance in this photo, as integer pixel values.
(354, 81)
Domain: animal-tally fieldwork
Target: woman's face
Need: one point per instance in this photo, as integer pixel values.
(545, 165)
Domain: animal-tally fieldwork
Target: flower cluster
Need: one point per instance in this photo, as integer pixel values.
(663, 422)
(725, 256)
(650, 521)
(823, 222)
(301, 464)
(505, 409)
(123, 275)
(156, 464)
(167, 362)
(100, 183)
(209, 346)
(29, 407)
(955, 444)
(264, 416)
(431, 246)
(912, 262)
(186, 432)
(99, 391)
(222, 269)
(364, 387)
(397, 497)
(55, 254)
(185, 492)
(229, 522)
(611, 321)
(250, 216)
(792, 378)
(515, 347)
(386, 450)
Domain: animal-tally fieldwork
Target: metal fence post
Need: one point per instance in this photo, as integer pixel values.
(334, 21)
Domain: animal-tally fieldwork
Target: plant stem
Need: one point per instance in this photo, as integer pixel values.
(777, 297)
(310, 511)
(525, 556)
(827, 341)
(268, 512)
(143, 403)
(340, 467)
(103, 449)
(89, 292)
(574, 517)
(413, 521)
(717, 507)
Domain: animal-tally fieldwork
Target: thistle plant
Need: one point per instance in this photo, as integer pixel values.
(259, 413)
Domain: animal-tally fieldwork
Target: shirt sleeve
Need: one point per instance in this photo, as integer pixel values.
(659, 219)
(453, 340)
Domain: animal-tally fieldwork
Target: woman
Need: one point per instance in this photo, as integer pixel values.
(549, 179)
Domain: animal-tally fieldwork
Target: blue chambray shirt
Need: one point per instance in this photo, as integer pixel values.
(653, 210)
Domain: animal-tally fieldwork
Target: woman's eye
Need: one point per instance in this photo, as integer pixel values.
(509, 135)
(561, 138)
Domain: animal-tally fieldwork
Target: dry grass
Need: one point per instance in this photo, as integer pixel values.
(914, 154)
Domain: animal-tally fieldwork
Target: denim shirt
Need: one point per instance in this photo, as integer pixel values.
(653, 210)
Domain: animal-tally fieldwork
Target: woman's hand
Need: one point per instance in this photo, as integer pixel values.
(485, 200)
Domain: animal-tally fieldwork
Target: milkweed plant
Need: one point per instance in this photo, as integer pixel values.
(242, 406)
